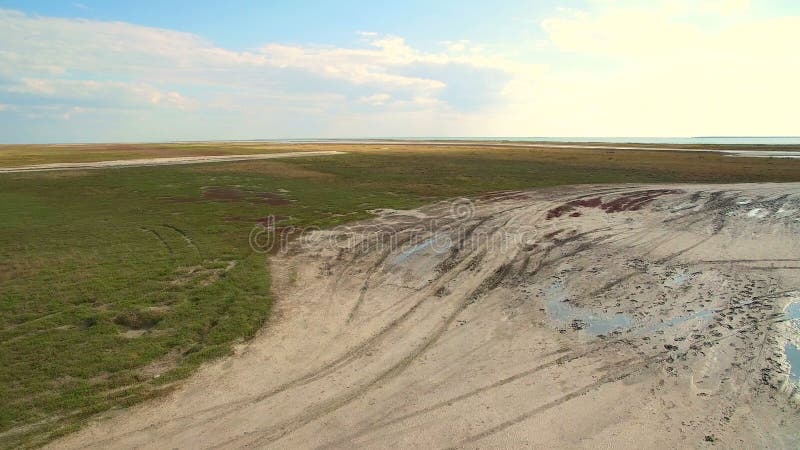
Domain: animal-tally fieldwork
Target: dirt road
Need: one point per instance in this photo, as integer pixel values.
(161, 161)
(590, 316)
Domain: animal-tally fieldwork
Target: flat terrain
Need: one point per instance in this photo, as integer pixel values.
(162, 161)
(591, 316)
(116, 284)
(26, 155)
(23, 155)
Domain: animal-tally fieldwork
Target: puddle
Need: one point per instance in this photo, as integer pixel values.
(581, 318)
(402, 257)
(791, 351)
(679, 279)
(428, 243)
(793, 355)
(792, 311)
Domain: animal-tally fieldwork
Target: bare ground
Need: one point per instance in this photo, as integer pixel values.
(590, 316)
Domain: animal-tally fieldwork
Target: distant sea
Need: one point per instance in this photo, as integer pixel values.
(720, 140)
(716, 140)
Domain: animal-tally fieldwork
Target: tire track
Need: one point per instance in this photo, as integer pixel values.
(158, 237)
(609, 378)
(499, 383)
(185, 237)
(310, 377)
(274, 433)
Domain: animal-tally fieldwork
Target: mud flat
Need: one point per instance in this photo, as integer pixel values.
(589, 316)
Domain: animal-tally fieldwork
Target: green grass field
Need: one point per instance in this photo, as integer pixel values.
(116, 284)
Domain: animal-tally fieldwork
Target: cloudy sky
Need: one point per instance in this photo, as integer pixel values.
(96, 71)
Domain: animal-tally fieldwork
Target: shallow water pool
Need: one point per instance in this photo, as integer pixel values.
(591, 322)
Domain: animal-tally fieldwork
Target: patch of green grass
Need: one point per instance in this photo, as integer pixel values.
(115, 284)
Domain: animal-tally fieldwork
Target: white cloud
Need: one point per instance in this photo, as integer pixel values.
(669, 67)
(456, 46)
(120, 67)
(376, 99)
(119, 93)
(72, 112)
(354, 66)
(659, 70)
(109, 48)
(377, 63)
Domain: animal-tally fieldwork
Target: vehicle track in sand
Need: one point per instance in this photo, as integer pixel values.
(396, 341)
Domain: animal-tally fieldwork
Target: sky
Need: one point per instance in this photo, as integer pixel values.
(100, 71)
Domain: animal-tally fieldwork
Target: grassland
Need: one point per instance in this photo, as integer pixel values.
(21, 155)
(116, 284)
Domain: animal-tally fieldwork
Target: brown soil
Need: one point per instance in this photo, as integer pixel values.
(234, 194)
(266, 222)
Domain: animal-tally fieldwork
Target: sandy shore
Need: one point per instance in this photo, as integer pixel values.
(589, 316)
(161, 161)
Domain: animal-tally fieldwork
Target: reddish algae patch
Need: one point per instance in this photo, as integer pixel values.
(631, 202)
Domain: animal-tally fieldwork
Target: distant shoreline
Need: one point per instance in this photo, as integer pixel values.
(666, 141)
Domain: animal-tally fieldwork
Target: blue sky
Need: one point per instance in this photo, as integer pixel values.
(94, 71)
(245, 24)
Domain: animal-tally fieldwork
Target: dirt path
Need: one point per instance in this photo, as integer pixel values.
(590, 316)
(161, 161)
